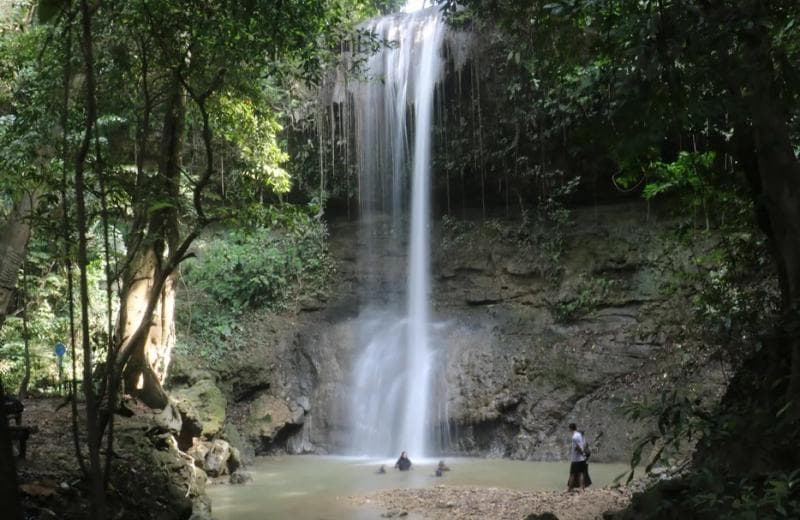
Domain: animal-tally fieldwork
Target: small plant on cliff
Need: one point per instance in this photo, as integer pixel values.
(587, 295)
(544, 229)
(679, 420)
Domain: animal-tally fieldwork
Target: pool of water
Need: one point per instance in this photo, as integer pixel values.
(317, 488)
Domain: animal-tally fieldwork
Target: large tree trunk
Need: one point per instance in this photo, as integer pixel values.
(780, 182)
(14, 237)
(779, 179)
(149, 362)
(148, 366)
(764, 394)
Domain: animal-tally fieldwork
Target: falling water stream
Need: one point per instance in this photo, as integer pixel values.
(393, 109)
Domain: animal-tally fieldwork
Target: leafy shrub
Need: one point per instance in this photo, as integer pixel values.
(42, 299)
(278, 258)
(545, 228)
(756, 497)
(262, 266)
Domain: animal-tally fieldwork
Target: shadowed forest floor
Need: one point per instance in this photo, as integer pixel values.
(52, 485)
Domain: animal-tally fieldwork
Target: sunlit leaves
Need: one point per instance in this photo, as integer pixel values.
(254, 131)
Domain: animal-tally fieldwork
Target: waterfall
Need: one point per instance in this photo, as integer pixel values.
(392, 112)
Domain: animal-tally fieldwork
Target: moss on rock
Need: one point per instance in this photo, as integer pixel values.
(205, 402)
(268, 415)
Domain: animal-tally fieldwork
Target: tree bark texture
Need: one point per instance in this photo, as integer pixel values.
(149, 361)
(148, 364)
(779, 184)
(14, 237)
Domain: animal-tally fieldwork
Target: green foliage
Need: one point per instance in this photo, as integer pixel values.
(587, 295)
(278, 259)
(770, 497)
(680, 421)
(26, 115)
(737, 296)
(253, 132)
(690, 172)
(546, 229)
(691, 176)
(643, 92)
(728, 279)
(42, 298)
(262, 266)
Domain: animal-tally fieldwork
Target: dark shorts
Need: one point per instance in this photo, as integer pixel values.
(578, 467)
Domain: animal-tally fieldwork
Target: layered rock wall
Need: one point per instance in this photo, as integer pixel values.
(528, 338)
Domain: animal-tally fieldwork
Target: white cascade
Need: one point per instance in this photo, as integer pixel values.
(391, 409)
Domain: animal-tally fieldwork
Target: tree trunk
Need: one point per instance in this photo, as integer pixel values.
(9, 497)
(22, 394)
(779, 184)
(148, 365)
(14, 237)
(94, 433)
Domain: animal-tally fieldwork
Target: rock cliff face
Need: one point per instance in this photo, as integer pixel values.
(529, 338)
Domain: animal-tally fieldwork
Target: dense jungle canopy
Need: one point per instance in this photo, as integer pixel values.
(132, 129)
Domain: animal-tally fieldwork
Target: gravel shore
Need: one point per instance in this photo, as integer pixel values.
(457, 502)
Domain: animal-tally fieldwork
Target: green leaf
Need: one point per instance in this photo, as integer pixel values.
(158, 206)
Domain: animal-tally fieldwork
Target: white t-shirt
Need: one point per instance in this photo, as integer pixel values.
(575, 454)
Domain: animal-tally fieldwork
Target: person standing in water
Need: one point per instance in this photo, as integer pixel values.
(578, 468)
(403, 463)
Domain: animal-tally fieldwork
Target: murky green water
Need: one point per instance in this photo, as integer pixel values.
(316, 488)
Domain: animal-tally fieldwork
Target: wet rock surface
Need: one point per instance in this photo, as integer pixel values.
(202, 404)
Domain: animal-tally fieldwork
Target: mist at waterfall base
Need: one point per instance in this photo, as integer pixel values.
(392, 408)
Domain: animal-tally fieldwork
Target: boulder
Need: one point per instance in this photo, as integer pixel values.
(202, 405)
(198, 452)
(241, 477)
(244, 450)
(235, 460)
(216, 462)
(268, 416)
(216, 457)
(169, 419)
(192, 424)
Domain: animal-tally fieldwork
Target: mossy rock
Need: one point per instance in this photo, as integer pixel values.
(268, 415)
(231, 434)
(205, 401)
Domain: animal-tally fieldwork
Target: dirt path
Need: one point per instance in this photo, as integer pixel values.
(457, 502)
